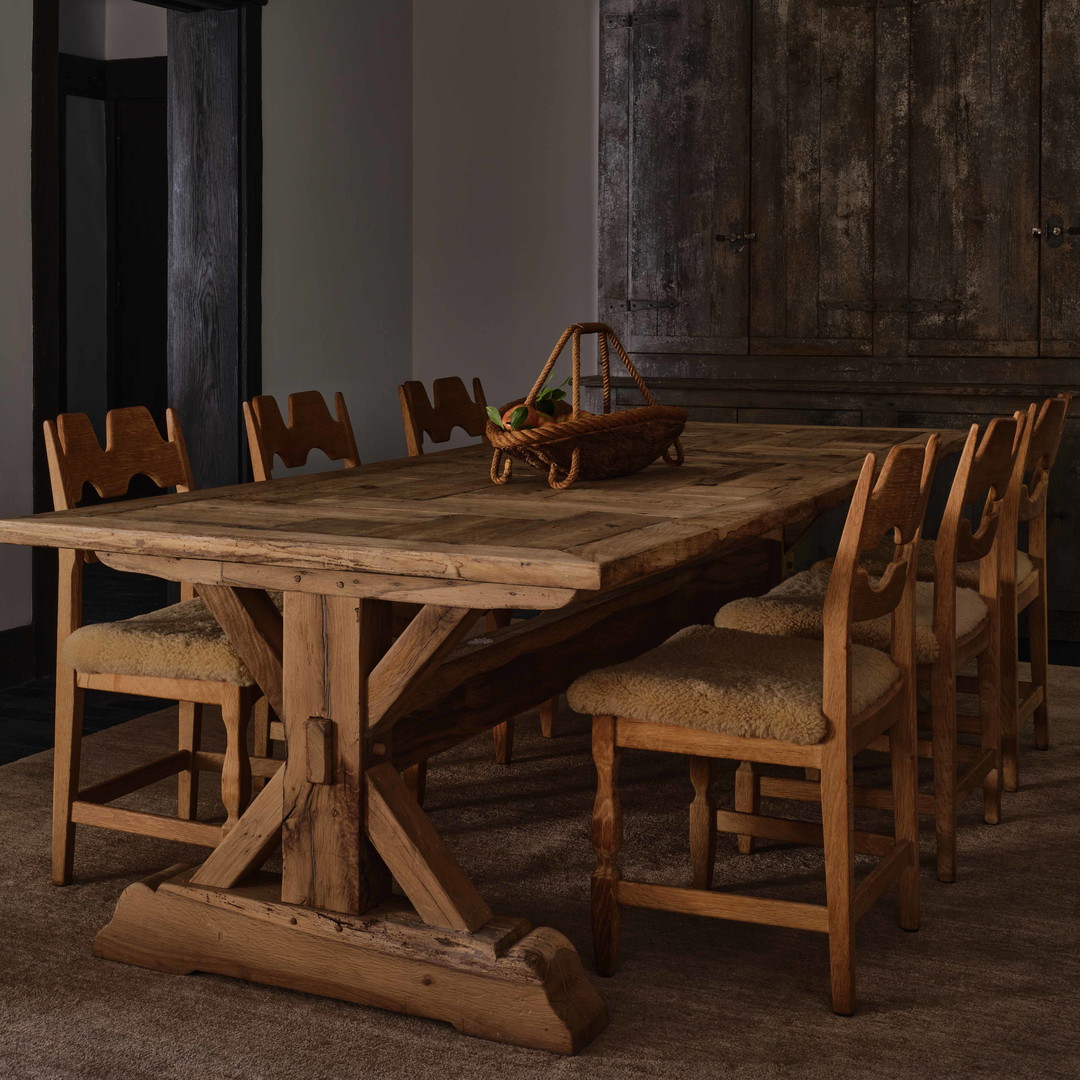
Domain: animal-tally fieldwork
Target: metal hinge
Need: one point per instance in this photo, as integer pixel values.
(615, 22)
(910, 306)
(638, 305)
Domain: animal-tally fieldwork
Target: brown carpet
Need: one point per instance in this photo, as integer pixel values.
(989, 987)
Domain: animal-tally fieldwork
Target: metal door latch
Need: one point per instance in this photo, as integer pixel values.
(1056, 232)
(736, 236)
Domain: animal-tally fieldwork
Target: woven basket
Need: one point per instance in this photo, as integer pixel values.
(590, 447)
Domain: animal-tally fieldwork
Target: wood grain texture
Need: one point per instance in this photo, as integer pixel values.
(440, 517)
(813, 83)
(310, 427)
(453, 408)
(675, 96)
(532, 991)
(214, 231)
(332, 644)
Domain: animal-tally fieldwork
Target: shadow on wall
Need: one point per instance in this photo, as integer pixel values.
(504, 192)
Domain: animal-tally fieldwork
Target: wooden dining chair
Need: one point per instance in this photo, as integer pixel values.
(453, 409)
(954, 627)
(310, 427)
(1028, 591)
(176, 653)
(717, 693)
(1025, 589)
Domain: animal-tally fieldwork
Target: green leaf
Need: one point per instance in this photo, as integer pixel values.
(558, 395)
(494, 416)
(547, 406)
(518, 418)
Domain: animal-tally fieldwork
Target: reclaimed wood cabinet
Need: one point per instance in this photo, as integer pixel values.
(848, 212)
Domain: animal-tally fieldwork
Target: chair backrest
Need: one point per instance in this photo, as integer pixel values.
(310, 427)
(133, 447)
(987, 481)
(1042, 450)
(453, 408)
(896, 500)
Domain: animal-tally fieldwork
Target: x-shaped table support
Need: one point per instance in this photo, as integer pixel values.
(359, 705)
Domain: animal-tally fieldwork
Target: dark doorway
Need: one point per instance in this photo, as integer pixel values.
(114, 234)
(182, 171)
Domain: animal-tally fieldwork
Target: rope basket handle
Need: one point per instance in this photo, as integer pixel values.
(606, 335)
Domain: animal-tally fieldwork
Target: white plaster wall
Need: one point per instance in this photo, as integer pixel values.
(337, 99)
(133, 30)
(16, 338)
(504, 190)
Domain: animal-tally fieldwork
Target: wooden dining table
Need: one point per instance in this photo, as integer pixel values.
(611, 567)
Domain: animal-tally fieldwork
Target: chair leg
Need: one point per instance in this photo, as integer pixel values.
(236, 771)
(747, 800)
(415, 777)
(548, 712)
(607, 839)
(1039, 639)
(502, 734)
(904, 759)
(66, 755)
(260, 739)
(989, 702)
(189, 736)
(1010, 692)
(944, 739)
(702, 822)
(838, 822)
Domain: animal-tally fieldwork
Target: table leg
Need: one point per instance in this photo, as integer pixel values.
(329, 924)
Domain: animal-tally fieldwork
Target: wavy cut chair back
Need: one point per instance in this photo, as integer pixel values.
(453, 408)
(1024, 700)
(147, 655)
(985, 489)
(310, 427)
(133, 447)
(897, 501)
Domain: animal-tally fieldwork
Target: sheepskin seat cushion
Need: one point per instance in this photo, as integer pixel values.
(967, 574)
(182, 641)
(731, 682)
(795, 609)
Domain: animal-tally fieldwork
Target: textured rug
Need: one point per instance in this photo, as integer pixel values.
(989, 987)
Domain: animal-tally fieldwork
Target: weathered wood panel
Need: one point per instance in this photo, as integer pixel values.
(687, 95)
(892, 27)
(1060, 269)
(812, 176)
(974, 177)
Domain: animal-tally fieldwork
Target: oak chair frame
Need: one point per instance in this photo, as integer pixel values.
(1028, 700)
(988, 474)
(310, 427)
(453, 408)
(133, 447)
(898, 500)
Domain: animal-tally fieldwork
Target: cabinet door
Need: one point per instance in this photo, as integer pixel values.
(674, 173)
(974, 162)
(812, 176)
(1060, 261)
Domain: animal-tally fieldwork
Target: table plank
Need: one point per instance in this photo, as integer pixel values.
(439, 516)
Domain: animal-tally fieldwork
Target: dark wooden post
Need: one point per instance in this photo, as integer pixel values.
(215, 231)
